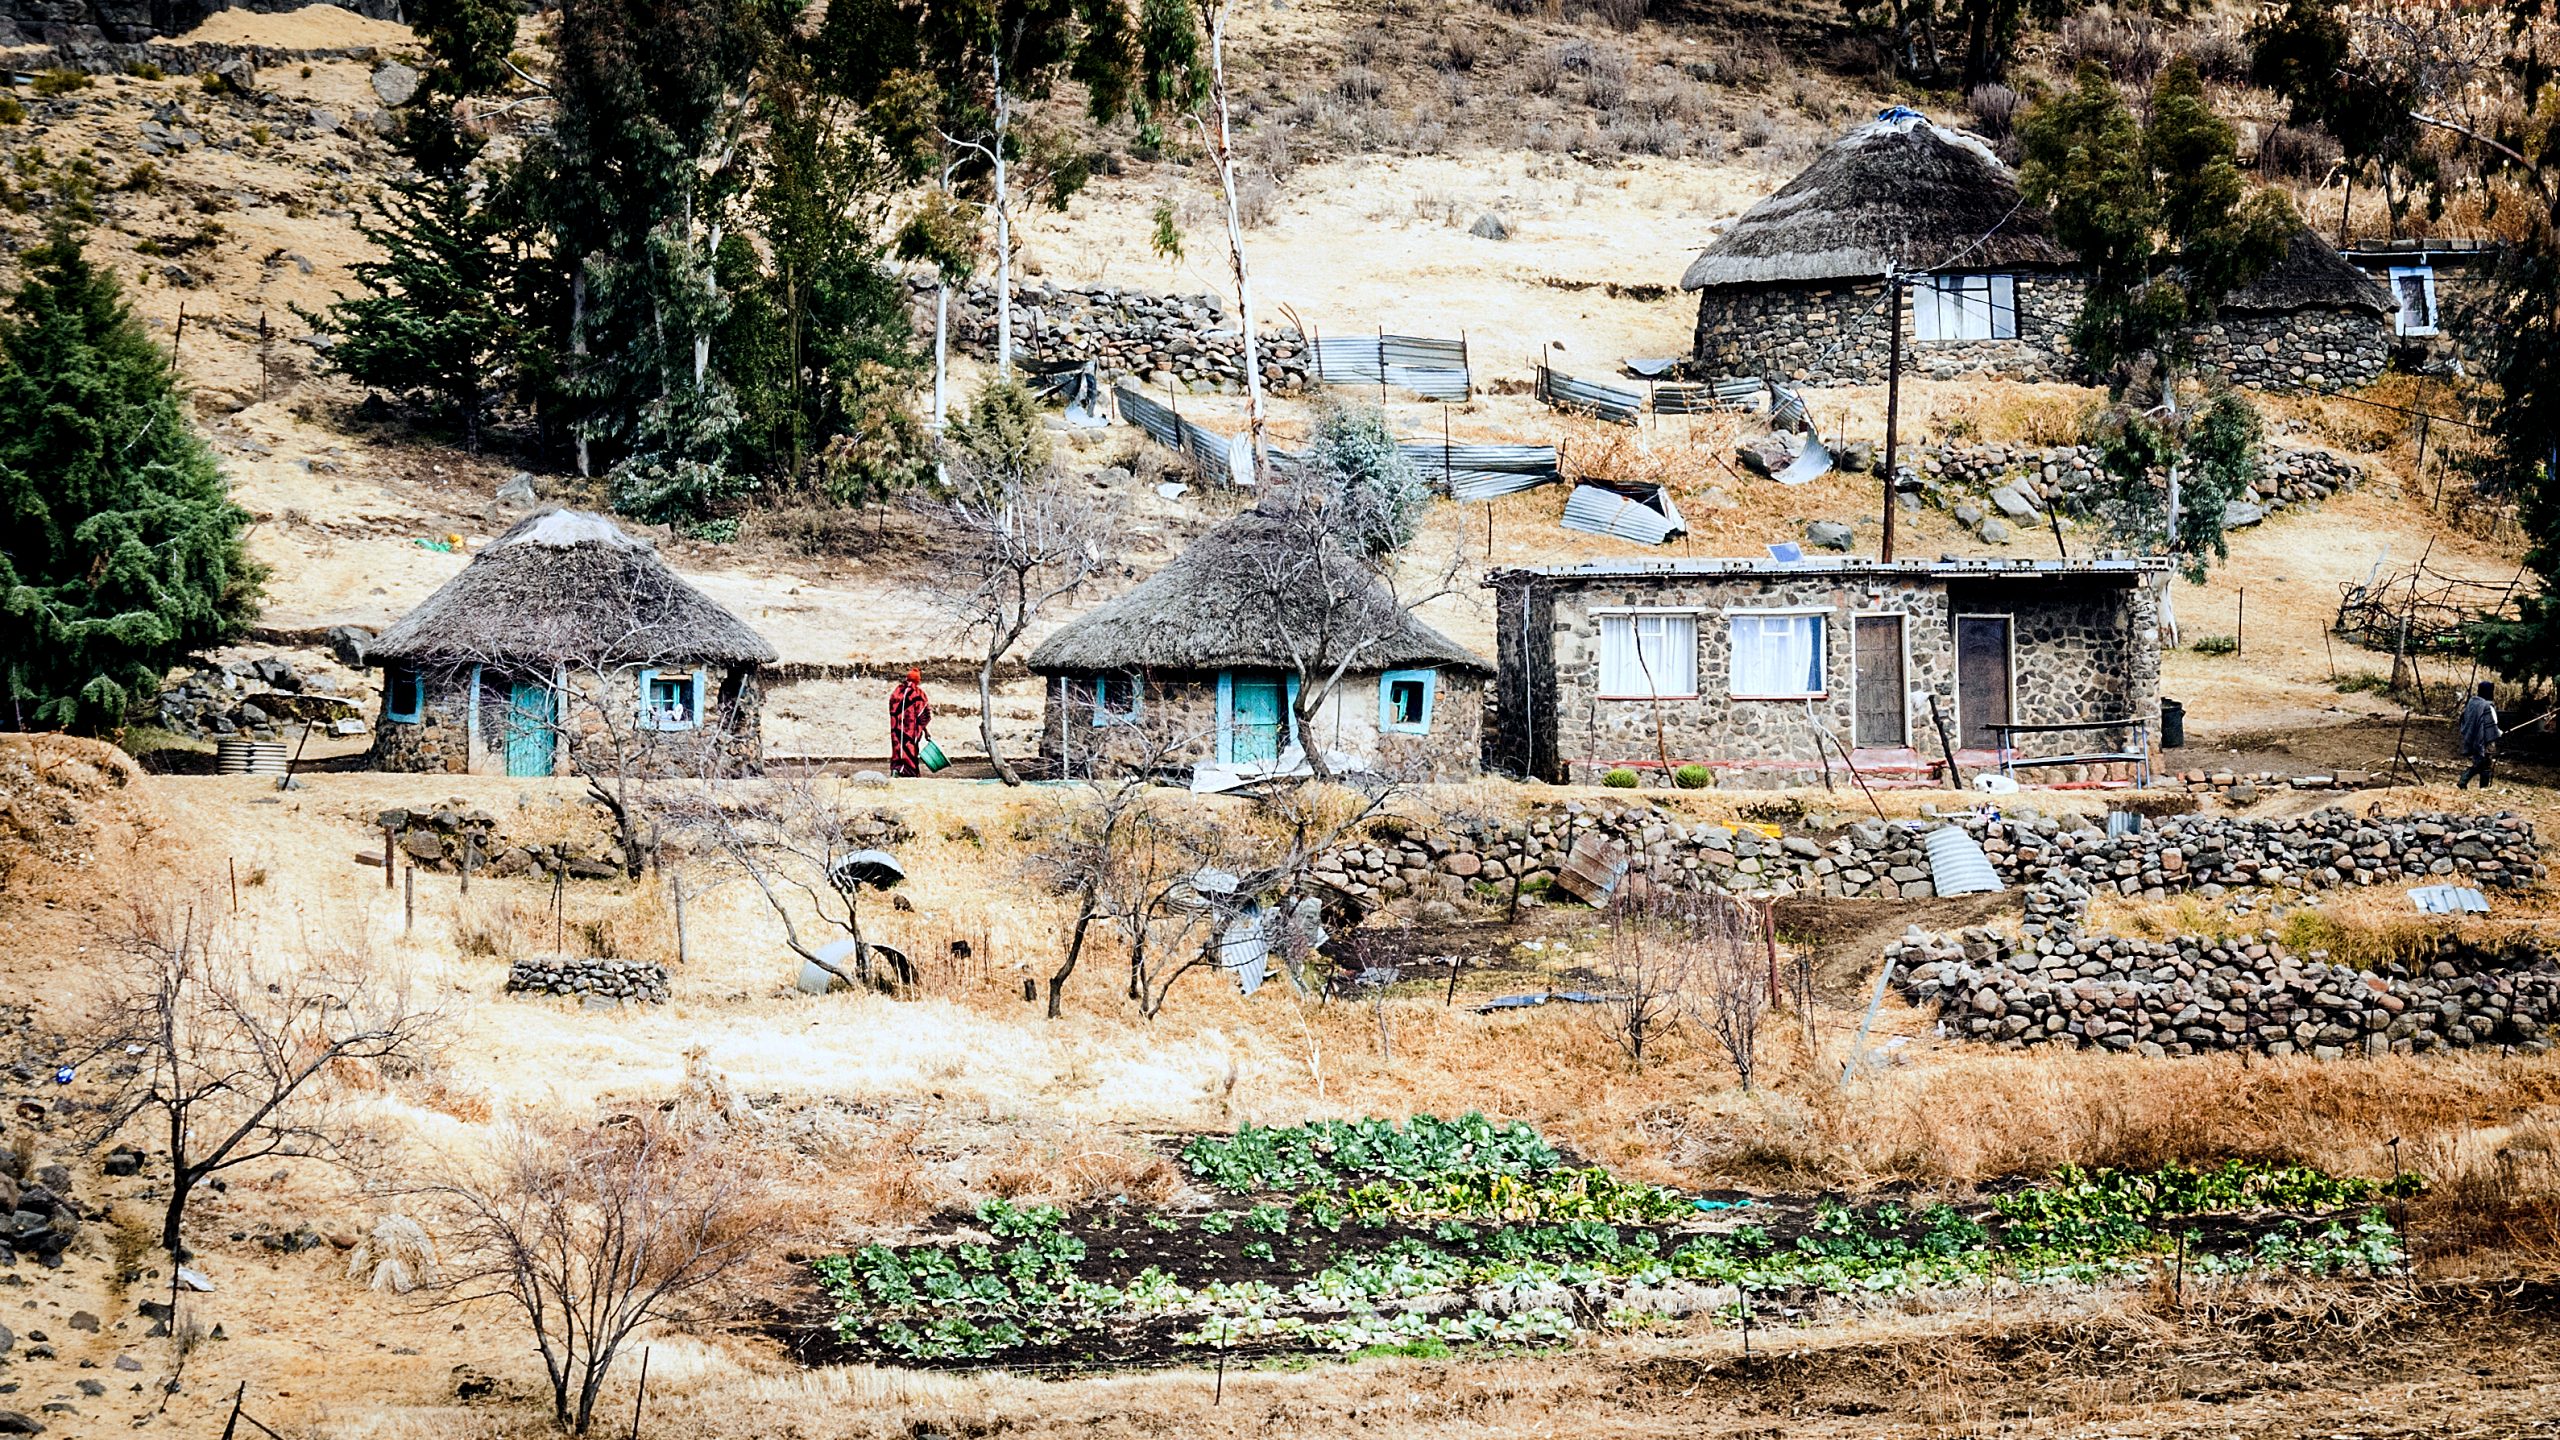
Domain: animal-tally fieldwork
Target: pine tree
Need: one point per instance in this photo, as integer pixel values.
(438, 327)
(124, 551)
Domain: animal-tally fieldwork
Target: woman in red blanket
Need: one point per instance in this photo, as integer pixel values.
(909, 714)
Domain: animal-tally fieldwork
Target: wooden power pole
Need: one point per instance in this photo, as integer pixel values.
(1892, 402)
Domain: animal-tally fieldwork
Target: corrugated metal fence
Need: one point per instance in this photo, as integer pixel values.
(1214, 456)
(1431, 368)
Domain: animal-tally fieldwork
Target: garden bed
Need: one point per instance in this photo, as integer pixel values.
(1369, 1237)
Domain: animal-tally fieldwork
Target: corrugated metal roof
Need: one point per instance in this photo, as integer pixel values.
(1481, 472)
(1644, 514)
(1944, 568)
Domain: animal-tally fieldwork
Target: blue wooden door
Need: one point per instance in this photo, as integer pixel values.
(532, 727)
(1254, 718)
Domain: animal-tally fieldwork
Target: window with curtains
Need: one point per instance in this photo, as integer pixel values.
(1649, 656)
(1965, 307)
(1777, 657)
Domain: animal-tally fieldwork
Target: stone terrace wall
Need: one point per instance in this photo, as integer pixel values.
(2019, 482)
(2061, 862)
(1185, 340)
(597, 982)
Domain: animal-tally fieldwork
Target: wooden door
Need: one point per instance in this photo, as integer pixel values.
(1254, 719)
(1983, 680)
(532, 727)
(1877, 679)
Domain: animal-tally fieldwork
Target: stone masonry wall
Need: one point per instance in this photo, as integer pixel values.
(2084, 652)
(2069, 478)
(597, 982)
(1187, 707)
(440, 741)
(2314, 349)
(1834, 335)
(1160, 340)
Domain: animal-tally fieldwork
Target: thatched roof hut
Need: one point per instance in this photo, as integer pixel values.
(2312, 275)
(1899, 192)
(1213, 608)
(569, 587)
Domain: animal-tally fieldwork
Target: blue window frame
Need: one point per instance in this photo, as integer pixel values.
(1404, 701)
(1254, 725)
(404, 695)
(671, 699)
(1116, 699)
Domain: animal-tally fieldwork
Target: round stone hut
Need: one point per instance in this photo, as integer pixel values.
(568, 646)
(1794, 290)
(1210, 653)
(2312, 320)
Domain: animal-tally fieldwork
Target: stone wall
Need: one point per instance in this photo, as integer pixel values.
(597, 982)
(2018, 483)
(131, 22)
(2085, 651)
(456, 834)
(2313, 349)
(1835, 335)
(1160, 340)
(2060, 862)
(1187, 707)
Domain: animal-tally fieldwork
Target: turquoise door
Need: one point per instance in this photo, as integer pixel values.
(1253, 718)
(532, 728)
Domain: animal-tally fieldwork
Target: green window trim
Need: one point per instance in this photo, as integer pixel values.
(1103, 714)
(1390, 715)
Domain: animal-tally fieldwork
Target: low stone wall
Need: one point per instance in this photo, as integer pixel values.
(2019, 482)
(2198, 994)
(2059, 862)
(1159, 340)
(618, 982)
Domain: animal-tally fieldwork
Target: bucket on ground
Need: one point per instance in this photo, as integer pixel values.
(934, 760)
(2173, 724)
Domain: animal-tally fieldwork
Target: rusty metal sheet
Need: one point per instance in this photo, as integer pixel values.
(1592, 869)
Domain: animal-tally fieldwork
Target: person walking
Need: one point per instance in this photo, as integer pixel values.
(909, 715)
(2479, 734)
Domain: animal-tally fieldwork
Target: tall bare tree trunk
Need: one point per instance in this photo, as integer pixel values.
(1004, 228)
(1223, 150)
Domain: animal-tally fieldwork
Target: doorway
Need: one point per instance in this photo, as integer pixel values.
(1985, 678)
(1882, 715)
(533, 715)
(1254, 706)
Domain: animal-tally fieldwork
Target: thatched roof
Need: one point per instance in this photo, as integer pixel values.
(1226, 601)
(568, 587)
(1898, 191)
(2311, 276)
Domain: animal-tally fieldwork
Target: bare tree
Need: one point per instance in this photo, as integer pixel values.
(1735, 972)
(239, 1060)
(1029, 537)
(1217, 137)
(1086, 844)
(1328, 607)
(592, 1230)
(803, 842)
(1674, 957)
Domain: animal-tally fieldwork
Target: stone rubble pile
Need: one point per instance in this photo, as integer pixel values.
(2021, 482)
(2205, 854)
(2196, 994)
(1159, 340)
(442, 838)
(255, 698)
(596, 981)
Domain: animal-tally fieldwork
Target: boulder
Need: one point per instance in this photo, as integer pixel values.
(349, 643)
(396, 84)
(1857, 457)
(325, 120)
(1490, 226)
(2241, 514)
(2013, 502)
(1994, 532)
(238, 75)
(1768, 454)
(1829, 535)
(518, 491)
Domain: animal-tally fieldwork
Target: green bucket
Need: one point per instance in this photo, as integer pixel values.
(935, 761)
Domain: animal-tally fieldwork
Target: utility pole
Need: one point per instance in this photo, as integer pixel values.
(1892, 401)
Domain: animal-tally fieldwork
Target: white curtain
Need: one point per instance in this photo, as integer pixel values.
(1777, 655)
(1648, 655)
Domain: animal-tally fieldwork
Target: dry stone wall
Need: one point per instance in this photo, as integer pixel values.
(1160, 340)
(597, 982)
(2309, 349)
(2018, 483)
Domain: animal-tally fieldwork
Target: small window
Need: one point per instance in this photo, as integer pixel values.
(404, 695)
(670, 700)
(1649, 656)
(1404, 701)
(1115, 699)
(1777, 657)
(1965, 307)
(2413, 291)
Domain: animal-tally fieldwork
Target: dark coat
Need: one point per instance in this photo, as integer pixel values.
(2479, 727)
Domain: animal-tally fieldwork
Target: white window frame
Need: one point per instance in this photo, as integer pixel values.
(1963, 308)
(1905, 617)
(2399, 313)
(1634, 615)
(1820, 614)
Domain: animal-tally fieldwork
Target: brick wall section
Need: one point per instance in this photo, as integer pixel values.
(1186, 706)
(2085, 650)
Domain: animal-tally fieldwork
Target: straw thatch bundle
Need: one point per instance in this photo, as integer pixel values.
(1898, 192)
(2311, 276)
(1250, 593)
(568, 586)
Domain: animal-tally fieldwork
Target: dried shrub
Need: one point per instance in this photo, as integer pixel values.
(2289, 153)
(1621, 14)
(1460, 47)
(2128, 48)
(1359, 84)
(1995, 109)
(1755, 131)
(2219, 55)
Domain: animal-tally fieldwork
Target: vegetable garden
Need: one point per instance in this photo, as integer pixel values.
(1365, 1237)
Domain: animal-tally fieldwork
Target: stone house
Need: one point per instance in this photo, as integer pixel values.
(568, 646)
(1734, 664)
(1208, 655)
(1794, 290)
